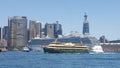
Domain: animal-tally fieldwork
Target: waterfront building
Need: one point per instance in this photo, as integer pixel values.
(5, 31)
(115, 41)
(0, 33)
(35, 29)
(28, 34)
(53, 30)
(18, 32)
(85, 26)
(57, 29)
(49, 30)
(3, 43)
(39, 29)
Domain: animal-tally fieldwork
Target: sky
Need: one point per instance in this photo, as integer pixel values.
(103, 15)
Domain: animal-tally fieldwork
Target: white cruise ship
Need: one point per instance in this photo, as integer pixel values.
(37, 44)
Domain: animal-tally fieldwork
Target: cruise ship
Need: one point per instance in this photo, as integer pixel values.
(39, 43)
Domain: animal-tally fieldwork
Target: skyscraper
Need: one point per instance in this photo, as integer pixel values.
(85, 26)
(18, 31)
(38, 29)
(49, 30)
(5, 31)
(53, 30)
(57, 29)
(35, 29)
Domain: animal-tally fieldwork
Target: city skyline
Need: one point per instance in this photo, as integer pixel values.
(103, 16)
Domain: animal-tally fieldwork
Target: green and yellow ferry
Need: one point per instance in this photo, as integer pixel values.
(58, 47)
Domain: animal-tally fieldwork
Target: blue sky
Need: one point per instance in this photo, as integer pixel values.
(103, 15)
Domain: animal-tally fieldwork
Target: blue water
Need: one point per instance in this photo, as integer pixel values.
(40, 60)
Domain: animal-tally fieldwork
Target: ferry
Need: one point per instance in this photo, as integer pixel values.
(58, 47)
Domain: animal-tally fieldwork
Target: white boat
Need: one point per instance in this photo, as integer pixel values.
(26, 49)
(97, 49)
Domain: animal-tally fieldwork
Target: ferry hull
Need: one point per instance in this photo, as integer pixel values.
(51, 50)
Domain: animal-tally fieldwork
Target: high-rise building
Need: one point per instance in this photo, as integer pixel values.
(32, 30)
(35, 29)
(53, 30)
(5, 31)
(18, 31)
(0, 33)
(57, 29)
(38, 29)
(28, 34)
(85, 26)
(49, 30)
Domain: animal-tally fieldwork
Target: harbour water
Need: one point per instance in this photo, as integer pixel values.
(20, 59)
